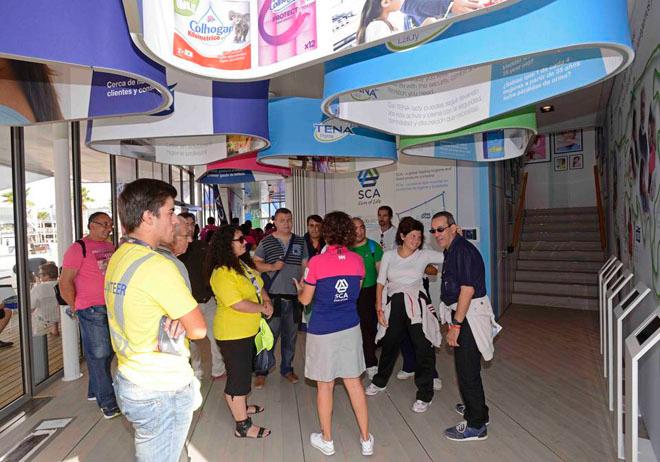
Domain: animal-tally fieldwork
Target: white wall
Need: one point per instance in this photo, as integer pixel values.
(547, 189)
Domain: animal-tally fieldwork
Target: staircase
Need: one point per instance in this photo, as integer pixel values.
(559, 259)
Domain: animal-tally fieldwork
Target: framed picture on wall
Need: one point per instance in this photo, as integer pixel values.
(561, 163)
(537, 151)
(575, 161)
(568, 141)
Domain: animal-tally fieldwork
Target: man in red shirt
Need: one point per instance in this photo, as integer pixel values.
(81, 285)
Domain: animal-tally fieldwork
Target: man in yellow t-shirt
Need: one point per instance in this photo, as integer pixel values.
(149, 308)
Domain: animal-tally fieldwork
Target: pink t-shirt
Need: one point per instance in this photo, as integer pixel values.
(91, 271)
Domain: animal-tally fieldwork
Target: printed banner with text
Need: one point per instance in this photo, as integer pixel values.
(482, 68)
(241, 168)
(56, 63)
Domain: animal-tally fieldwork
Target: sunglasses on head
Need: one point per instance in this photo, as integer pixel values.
(240, 239)
(439, 229)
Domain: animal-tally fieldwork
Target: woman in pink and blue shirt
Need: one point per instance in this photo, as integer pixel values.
(332, 282)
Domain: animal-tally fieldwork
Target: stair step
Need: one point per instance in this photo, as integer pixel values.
(561, 227)
(582, 236)
(565, 219)
(556, 276)
(547, 288)
(566, 266)
(561, 211)
(564, 255)
(558, 246)
(577, 303)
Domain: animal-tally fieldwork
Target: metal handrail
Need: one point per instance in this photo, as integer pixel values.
(601, 212)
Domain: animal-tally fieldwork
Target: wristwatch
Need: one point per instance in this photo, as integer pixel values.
(456, 323)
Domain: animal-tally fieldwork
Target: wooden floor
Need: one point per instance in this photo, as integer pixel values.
(11, 384)
(543, 388)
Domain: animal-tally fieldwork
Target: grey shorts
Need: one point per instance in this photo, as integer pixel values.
(335, 355)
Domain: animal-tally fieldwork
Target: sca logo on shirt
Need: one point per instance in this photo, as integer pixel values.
(364, 94)
(341, 287)
(332, 130)
(209, 28)
(368, 194)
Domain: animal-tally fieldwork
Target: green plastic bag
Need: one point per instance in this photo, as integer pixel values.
(264, 339)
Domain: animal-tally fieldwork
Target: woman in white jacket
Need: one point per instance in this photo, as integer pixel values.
(403, 307)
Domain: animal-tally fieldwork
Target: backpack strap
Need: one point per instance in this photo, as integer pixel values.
(372, 247)
(84, 247)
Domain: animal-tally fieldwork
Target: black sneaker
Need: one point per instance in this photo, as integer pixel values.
(6, 344)
(111, 413)
(460, 409)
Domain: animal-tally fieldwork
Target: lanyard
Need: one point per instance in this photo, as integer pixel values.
(135, 240)
(253, 279)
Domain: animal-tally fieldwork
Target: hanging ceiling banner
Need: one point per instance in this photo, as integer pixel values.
(208, 121)
(259, 39)
(482, 68)
(503, 138)
(73, 62)
(303, 138)
(242, 168)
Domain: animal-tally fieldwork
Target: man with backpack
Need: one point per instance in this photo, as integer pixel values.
(371, 254)
(282, 257)
(81, 286)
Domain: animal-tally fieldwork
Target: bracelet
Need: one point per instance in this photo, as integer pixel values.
(454, 326)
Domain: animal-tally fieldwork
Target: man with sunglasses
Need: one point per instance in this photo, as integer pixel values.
(81, 285)
(463, 296)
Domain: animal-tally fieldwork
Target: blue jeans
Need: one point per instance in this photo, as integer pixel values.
(285, 326)
(161, 419)
(98, 353)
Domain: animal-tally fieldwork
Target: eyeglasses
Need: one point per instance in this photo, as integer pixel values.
(439, 229)
(240, 239)
(105, 225)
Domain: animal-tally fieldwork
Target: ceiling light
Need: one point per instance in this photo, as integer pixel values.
(547, 108)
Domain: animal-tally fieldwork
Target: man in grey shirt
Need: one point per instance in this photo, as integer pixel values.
(282, 257)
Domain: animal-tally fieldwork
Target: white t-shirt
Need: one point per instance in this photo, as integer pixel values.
(377, 29)
(385, 239)
(46, 310)
(409, 270)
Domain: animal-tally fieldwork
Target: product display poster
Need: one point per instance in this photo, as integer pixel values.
(417, 93)
(503, 138)
(56, 64)
(208, 121)
(256, 39)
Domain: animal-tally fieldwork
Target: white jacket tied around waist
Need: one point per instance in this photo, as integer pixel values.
(482, 323)
(417, 308)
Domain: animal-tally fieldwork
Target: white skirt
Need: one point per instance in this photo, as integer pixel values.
(335, 355)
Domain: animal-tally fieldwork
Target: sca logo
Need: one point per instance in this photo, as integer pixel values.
(332, 130)
(209, 28)
(277, 6)
(368, 180)
(365, 94)
(341, 287)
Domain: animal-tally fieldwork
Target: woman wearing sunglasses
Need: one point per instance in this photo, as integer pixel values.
(238, 288)
(403, 307)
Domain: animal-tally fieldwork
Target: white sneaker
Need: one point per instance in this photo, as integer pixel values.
(326, 447)
(421, 406)
(403, 375)
(367, 446)
(437, 384)
(373, 390)
(371, 371)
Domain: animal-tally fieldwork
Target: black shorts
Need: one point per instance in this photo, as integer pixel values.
(239, 358)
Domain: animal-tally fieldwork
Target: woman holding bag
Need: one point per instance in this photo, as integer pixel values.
(238, 288)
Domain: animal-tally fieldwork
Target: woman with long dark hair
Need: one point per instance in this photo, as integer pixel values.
(333, 350)
(403, 306)
(374, 21)
(238, 288)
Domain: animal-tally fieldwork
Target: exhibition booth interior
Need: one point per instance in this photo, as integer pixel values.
(545, 151)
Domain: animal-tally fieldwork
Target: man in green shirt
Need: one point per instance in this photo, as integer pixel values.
(371, 254)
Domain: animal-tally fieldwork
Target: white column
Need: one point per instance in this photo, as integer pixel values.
(62, 169)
